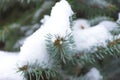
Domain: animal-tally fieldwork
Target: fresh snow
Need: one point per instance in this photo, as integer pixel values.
(110, 26)
(87, 39)
(8, 67)
(118, 21)
(34, 48)
(81, 23)
(45, 18)
(93, 74)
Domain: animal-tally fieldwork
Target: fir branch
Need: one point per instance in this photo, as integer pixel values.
(35, 72)
(61, 48)
(112, 49)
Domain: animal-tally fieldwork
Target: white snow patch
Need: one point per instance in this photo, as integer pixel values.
(81, 24)
(110, 26)
(87, 40)
(45, 18)
(118, 21)
(93, 74)
(34, 47)
(8, 66)
(59, 20)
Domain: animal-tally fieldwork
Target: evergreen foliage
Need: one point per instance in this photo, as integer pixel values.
(85, 9)
(61, 48)
(35, 72)
(68, 63)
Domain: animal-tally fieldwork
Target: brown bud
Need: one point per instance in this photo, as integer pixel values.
(58, 41)
(25, 67)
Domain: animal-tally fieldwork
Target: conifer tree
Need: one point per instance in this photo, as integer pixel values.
(78, 40)
(73, 49)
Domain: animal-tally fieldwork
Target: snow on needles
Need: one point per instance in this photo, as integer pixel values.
(87, 39)
(8, 67)
(110, 26)
(81, 24)
(34, 47)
